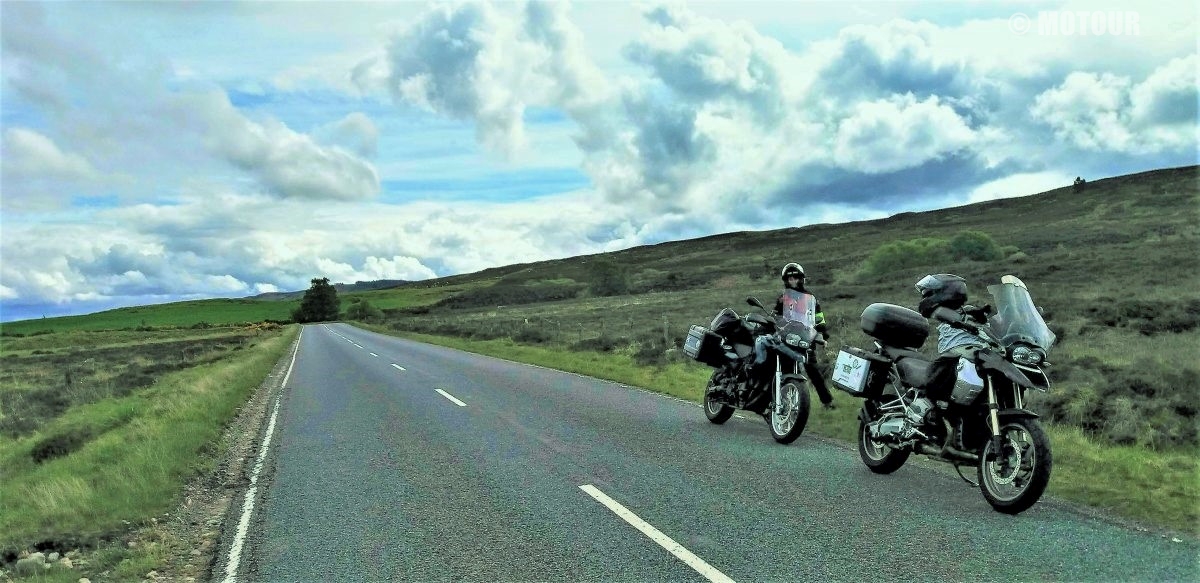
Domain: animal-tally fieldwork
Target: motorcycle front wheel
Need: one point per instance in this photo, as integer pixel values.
(716, 411)
(1015, 478)
(880, 458)
(787, 422)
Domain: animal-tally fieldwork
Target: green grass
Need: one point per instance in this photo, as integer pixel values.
(217, 312)
(138, 452)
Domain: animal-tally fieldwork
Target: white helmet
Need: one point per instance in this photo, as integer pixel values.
(791, 269)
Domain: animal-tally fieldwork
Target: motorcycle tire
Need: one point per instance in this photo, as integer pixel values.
(880, 458)
(1015, 480)
(787, 427)
(716, 411)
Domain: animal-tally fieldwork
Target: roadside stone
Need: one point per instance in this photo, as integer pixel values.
(33, 564)
(67, 563)
(52, 557)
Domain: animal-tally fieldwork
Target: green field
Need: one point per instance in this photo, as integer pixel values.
(1115, 266)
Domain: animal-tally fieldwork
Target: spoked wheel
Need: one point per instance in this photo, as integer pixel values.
(716, 411)
(877, 456)
(787, 422)
(1015, 478)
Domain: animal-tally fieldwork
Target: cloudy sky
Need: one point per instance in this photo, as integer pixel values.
(160, 151)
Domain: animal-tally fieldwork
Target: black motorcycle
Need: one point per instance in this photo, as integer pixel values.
(984, 423)
(775, 389)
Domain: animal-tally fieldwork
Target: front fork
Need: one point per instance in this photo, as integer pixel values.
(778, 386)
(994, 414)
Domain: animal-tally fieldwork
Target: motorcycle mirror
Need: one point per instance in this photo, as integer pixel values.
(753, 301)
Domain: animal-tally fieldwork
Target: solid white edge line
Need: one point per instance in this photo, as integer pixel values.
(397, 367)
(451, 397)
(235, 550)
(664, 541)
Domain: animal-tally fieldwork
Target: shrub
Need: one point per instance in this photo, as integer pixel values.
(965, 246)
(608, 278)
(974, 246)
(1147, 403)
(362, 310)
(599, 344)
(905, 254)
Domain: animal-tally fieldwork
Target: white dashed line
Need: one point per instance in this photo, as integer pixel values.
(708, 571)
(397, 367)
(451, 397)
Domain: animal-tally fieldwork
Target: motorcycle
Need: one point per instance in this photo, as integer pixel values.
(984, 423)
(728, 345)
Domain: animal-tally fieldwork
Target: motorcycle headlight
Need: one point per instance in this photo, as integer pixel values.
(1027, 355)
(795, 340)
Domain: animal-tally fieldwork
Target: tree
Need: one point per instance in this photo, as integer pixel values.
(320, 303)
(362, 310)
(608, 278)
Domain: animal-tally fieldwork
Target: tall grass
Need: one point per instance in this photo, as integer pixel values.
(141, 450)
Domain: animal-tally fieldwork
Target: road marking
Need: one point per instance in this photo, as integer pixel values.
(397, 367)
(235, 550)
(708, 571)
(375, 355)
(451, 397)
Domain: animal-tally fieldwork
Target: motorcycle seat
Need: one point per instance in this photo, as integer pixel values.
(912, 365)
(914, 372)
(898, 354)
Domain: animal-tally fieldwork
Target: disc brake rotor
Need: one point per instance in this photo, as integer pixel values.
(1007, 466)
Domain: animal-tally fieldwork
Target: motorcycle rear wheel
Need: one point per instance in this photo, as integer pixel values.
(880, 458)
(1016, 478)
(787, 427)
(716, 411)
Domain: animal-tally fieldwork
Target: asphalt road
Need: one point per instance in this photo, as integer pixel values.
(399, 461)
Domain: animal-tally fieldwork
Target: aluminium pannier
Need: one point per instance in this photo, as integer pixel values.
(704, 345)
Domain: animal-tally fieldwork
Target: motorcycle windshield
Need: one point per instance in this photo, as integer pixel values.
(1017, 318)
(799, 307)
(799, 315)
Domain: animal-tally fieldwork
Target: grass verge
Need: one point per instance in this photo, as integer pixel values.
(139, 452)
(1151, 487)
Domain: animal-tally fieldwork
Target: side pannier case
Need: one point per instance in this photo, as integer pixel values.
(895, 326)
(704, 345)
(861, 373)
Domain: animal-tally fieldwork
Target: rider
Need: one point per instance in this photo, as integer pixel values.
(946, 290)
(795, 296)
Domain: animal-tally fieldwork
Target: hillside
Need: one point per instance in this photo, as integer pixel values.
(1115, 266)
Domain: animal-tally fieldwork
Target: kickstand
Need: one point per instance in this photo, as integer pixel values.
(958, 469)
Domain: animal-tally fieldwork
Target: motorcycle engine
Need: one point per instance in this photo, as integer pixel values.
(902, 426)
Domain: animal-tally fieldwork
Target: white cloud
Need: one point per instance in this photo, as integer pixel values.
(238, 168)
(1105, 112)
(1169, 96)
(30, 154)
(890, 135)
(1019, 185)
(355, 132)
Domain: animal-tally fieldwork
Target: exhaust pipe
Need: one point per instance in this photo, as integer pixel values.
(947, 454)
